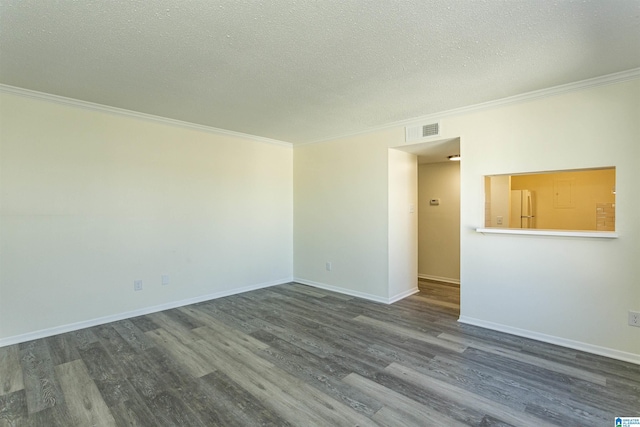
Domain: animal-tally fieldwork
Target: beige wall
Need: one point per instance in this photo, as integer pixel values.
(439, 226)
(92, 201)
(587, 189)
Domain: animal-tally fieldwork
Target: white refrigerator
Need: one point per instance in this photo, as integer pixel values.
(522, 209)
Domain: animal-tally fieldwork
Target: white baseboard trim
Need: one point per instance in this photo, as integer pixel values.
(43, 333)
(439, 279)
(403, 295)
(358, 294)
(576, 345)
(340, 290)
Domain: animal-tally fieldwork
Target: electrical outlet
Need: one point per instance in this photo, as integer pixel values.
(165, 279)
(137, 285)
(634, 318)
(328, 266)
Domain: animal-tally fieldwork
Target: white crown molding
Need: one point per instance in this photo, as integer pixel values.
(551, 339)
(608, 79)
(70, 102)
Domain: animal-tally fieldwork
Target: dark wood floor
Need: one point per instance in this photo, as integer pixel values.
(299, 356)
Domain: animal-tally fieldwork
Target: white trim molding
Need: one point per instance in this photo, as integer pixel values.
(43, 333)
(403, 295)
(557, 233)
(551, 339)
(439, 279)
(357, 294)
(92, 106)
(608, 79)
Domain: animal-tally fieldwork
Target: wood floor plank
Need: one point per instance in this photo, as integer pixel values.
(318, 373)
(400, 410)
(437, 341)
(446, 304)
(54, 416)
(10, 370)
(62, 348)
(133, 413)
(213, 308)
(296, 355)
(171, 326)
(82, 397)
(464, 397)
(241, 407)
(192, 362)
(214, 325)
(532, 360)
(43, 390)
(157, 379)
(317, 407)
(107, 375)
(13, 409)
(307, 290)
(543, 386)
(144, 323)
(133, 335)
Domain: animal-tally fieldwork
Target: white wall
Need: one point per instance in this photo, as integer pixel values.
(403, 224)
(574, 291)
(341, 214)
(439, 226)
(92, 201)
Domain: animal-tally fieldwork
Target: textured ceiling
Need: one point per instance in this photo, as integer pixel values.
(302, 71)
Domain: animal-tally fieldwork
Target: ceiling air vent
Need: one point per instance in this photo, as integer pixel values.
(416, 133)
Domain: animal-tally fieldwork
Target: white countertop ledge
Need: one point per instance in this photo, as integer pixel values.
(563, 233)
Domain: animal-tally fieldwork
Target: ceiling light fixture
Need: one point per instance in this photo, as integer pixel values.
(455, 158)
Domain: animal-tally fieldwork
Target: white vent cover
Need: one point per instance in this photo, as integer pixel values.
(416, 133)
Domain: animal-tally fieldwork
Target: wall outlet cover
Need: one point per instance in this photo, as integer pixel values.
(137, 285)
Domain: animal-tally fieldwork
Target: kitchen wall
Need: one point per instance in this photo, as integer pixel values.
(587, 189)
(91, 201)
(439, 226)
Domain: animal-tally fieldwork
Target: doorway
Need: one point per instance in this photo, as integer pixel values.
(438, 204)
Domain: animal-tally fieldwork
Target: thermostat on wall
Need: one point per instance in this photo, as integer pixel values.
(434, 202)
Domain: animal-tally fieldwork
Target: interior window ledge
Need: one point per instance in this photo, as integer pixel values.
(564, 233)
